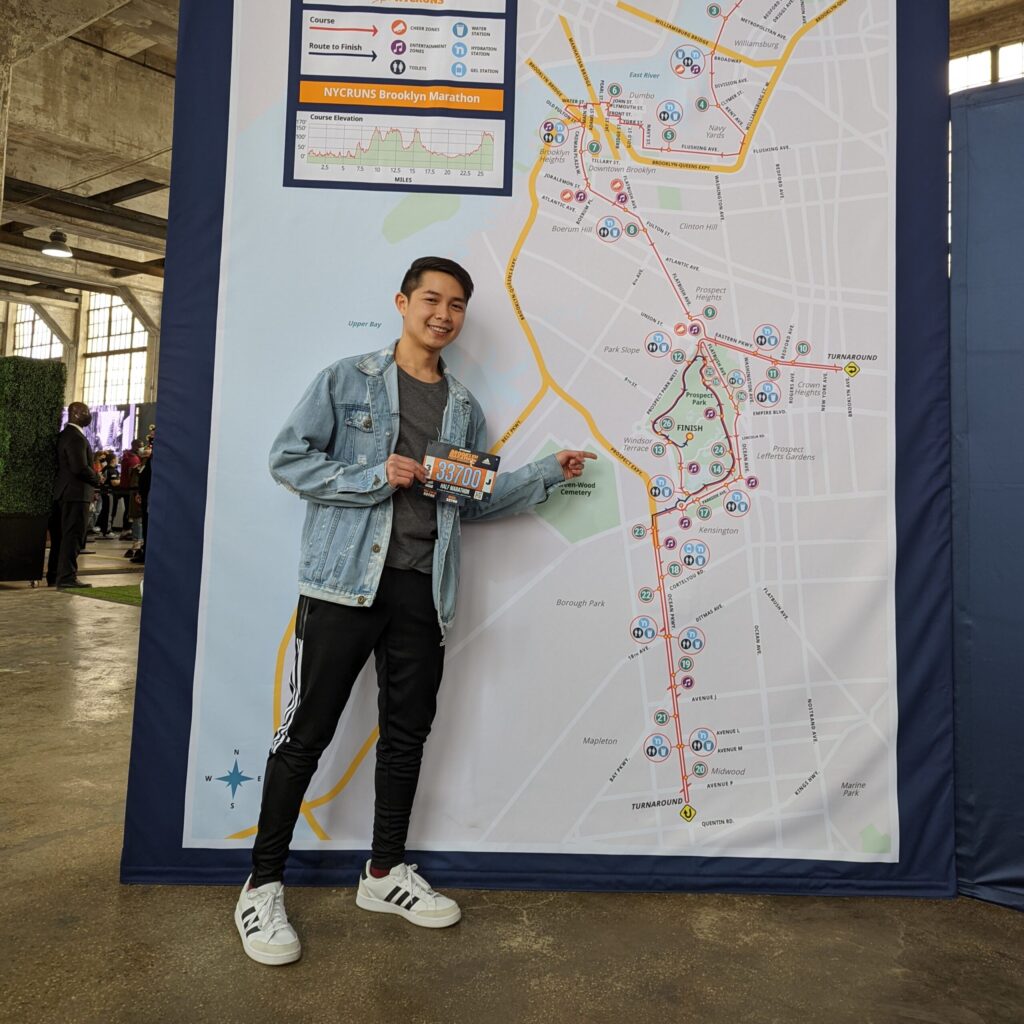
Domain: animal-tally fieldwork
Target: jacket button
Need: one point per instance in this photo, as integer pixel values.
(376, 548)
(367, 423)
(360, 600)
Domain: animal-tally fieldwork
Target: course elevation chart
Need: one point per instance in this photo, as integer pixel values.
(401, 97)
(379, 148)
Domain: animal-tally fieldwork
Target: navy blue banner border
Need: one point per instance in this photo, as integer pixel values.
(153, 850)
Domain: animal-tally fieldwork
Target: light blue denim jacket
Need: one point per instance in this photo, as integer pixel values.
(332, 451)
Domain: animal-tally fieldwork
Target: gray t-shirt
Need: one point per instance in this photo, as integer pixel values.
(414, 527)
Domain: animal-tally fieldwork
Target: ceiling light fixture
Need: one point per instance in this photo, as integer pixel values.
(57, 246)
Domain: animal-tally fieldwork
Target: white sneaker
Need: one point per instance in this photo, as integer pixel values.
(407, 893)
(262, 923)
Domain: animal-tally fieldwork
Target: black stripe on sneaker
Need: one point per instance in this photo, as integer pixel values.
(394, 892)
(412, 902)
(248, 913)
(251, 931)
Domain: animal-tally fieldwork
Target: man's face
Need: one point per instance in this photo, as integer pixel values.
(434, 313)
(80, 414)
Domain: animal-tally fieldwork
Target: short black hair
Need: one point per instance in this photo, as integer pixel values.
(419, 267)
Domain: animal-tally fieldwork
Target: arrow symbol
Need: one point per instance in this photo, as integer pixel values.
(326, 28)
(318, 53)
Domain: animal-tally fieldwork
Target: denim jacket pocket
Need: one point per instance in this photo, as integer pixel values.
(326, 543)
(358, 443)
(313, 532)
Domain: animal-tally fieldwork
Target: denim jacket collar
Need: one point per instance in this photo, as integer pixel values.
(377, 363)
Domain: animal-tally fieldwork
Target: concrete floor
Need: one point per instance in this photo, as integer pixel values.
(80, 948)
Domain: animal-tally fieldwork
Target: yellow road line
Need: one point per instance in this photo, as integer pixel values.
(350, 771)
(562, 98)
(709, 43)
(748, 137)
(308, 807)
(313, 823)
(520, 419)
(248, 833)
(585, 75)
(547, 380)
(825, 13)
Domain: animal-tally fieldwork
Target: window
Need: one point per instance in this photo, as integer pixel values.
(968, 72)
(999, 64)
(32, 337)
(115, 354)
(1011, 62)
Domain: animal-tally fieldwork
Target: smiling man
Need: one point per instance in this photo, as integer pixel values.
(378, 573)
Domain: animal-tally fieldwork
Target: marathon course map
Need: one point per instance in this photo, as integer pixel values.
(691, 650)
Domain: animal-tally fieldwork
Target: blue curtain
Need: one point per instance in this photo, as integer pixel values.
(988, 489)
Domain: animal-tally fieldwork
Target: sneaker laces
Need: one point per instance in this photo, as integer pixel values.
(417, 883)
(270, 911)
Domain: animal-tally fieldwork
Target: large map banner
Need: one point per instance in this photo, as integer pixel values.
(682, 221)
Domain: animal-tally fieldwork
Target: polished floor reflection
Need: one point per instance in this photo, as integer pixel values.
(81, 948)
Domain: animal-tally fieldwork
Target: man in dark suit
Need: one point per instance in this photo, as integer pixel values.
(73, 492)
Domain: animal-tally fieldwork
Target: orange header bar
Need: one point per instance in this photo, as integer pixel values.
(419, 97)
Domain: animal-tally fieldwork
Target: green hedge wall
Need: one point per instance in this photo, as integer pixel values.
(31, 399)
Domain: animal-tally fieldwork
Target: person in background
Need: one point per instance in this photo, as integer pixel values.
(134, 506)
(131, 459)
(98, 461)
(108, 480)
(145, 478)
(73, 492)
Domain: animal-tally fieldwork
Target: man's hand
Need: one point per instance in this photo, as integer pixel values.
(572, 462)
(402, 472)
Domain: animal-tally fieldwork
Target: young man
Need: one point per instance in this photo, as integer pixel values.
(378, 572)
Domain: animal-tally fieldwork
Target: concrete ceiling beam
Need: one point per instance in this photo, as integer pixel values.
(24, 195)
(146, 306)
(134, 189)
(5, 110)
(996, 26)
(155, 268)
(29, 218)
(26, 278)
(30, 26)
(30, 295)
(71, 273)
(106, 113)
(152, 20)
(116, 38)
(64, 332)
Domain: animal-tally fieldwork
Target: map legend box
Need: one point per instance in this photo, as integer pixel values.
(410, 81)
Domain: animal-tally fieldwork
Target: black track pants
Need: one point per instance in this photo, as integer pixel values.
(333, 642)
